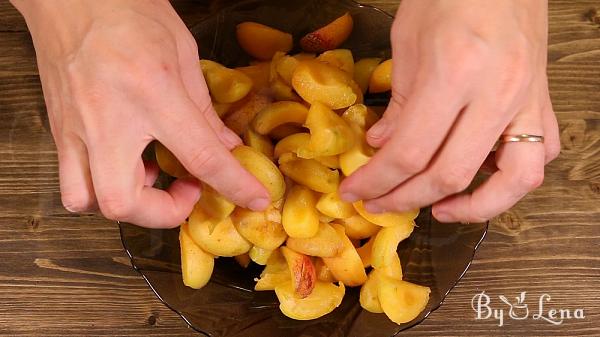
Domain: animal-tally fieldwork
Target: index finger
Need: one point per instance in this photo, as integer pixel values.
(192, 140)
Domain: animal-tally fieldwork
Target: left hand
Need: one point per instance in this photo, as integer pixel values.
(464, 73)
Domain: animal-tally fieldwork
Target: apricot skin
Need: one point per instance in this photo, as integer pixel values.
(328, 37)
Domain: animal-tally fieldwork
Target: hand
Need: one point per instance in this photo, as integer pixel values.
(464, 73)
(116, 75)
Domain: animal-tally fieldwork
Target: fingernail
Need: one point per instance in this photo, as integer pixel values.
(259, 204)
(230, 139)
(443, 216)
(373, 208)
(68, 208)
(377, 131)
(193, 182)
(349, 197)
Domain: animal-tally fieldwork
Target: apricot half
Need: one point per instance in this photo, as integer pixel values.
(261, 41)
(317, 81)
(322, 300)
(302, 271)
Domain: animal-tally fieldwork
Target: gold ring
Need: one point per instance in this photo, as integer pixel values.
(521, 138)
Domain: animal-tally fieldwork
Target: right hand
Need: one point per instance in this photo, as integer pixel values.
(117, 75)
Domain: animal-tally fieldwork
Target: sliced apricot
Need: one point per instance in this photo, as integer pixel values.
(300, 218)
(358, 117)
(285, 68)
(381, 78)
(215, 206)
(258, 73)
(221, 108)
(311, 173)
(385, 245)
(276, 272)
(358, 227)
(196, 264)
(259, 142)
(369, 299)
(262, 168)
(323, 272)
(243, 260)
(167, 161)
(340, 58)
(329, 133)
(261, 41)
(285, 130)
(243, 112)
(262, 229)
(386, 219)
(304, 56)
(223, 240)
(225, 85)
(325, 243)
(259, 255)
(329, 36)
(291, 143)
(347, 267)
(332, 205)
(401, 301)
(366, 252)
(277, 114)
(363, 69)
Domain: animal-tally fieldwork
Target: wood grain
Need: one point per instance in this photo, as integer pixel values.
(62, 274)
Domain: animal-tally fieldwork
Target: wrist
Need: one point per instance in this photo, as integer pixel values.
(57, 26)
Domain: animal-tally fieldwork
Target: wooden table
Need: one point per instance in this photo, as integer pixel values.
(63, 274)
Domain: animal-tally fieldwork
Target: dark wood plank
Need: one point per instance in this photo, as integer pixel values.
(64, 274)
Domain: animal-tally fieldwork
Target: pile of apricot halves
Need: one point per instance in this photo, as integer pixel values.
(303, 122)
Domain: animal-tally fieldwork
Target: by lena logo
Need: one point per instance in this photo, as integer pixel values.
(519, 310)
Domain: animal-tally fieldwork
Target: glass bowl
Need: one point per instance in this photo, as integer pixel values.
(436, 255)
